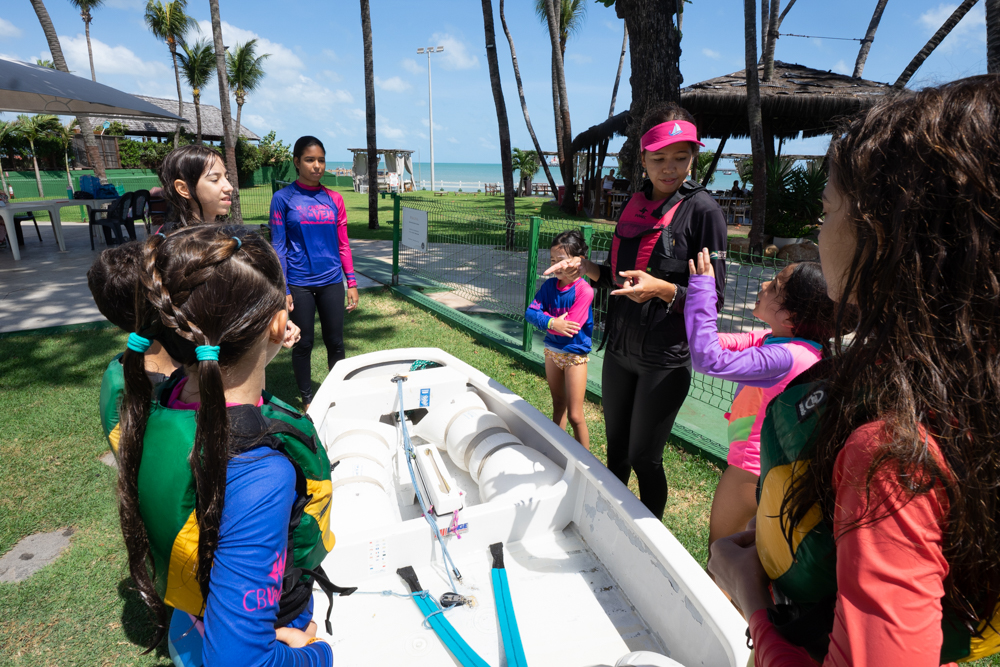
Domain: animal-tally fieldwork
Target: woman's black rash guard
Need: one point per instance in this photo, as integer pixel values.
(661, 339)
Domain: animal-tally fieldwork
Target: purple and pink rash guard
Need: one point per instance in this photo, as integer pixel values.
(575, 300)
(309, 233)
(249, 565)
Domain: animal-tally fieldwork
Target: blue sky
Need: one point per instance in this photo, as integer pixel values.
(315, 82)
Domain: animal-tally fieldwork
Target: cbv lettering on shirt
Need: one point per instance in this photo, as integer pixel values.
(317, 214)
(262, 598)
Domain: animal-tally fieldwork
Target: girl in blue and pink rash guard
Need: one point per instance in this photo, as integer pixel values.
(309, 233)
(562, 308)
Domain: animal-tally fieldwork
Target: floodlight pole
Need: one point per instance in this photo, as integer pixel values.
(430, 101)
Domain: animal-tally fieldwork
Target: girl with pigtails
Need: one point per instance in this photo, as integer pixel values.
(224, 510)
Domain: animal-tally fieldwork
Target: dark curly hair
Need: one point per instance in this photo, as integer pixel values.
(803, 296)
(112, 279)
(919, 175)
(572, 240)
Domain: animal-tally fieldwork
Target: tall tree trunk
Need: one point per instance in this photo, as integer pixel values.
(618, 77)
(765, 18)
(566, 164)
(993, 36)
(366, 31)
(69, 179)
(929, 47)
(756, 128)
(556, 114)
(236, 212)
(38, 175)
(240, 100)
(655, 43)
(197, 112)
(524, 105)
(180, 99)
(781, 19)
(90, 50)
(86, 128)
(505, 157)
(866, 43)
(680, 16)
(772, 41)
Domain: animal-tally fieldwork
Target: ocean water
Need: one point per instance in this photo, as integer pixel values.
(473, 176)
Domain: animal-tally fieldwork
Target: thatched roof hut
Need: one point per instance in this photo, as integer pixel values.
(796, 99)
(211, 121)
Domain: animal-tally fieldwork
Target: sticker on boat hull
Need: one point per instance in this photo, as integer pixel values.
(425, 398)
(455, 530)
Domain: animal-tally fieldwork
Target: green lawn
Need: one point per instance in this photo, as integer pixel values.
(80, 610)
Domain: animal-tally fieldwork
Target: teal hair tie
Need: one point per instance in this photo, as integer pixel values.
(207, 352)
(137, 343)
(238, 242)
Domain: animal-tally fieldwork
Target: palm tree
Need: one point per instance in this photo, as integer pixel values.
(45, 63)
(505, 163)
(366, 32)
(33, 128)
(169, 22)
(198, 65)
(65, 136)
(866, 43)
(565, 151)
(932, 44)
(93, 153)
(235, 213)
(993, 36)
(524, 104)
(756, 126)
(772, 40)
(621, 63)
(571, 13)
(525, 162)
(245, 70)
(85, 6)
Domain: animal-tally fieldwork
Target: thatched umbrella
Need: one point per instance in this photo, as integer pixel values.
(796, 99)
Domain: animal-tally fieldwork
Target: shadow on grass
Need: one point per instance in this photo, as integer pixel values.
(137, 621)
(69, 359)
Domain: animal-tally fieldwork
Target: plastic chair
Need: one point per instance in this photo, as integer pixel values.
(139, 209)
(115, 216)
(24, 217)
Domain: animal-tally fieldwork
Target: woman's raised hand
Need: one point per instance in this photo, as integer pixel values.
(704, 267)
(568, 264)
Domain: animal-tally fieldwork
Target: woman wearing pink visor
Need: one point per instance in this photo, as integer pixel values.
(647, 366)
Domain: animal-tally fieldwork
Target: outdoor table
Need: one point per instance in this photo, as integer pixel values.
(52, 206)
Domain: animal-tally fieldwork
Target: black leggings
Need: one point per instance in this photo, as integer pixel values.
(641, 402)
(329, 300)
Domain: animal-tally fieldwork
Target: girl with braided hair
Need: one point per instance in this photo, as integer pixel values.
(223, 520)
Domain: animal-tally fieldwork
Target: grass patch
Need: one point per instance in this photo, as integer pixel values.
(80, 610)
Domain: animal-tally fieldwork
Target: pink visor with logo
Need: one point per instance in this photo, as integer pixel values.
(668, 133)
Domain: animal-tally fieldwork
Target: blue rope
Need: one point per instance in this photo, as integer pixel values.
(410, 455)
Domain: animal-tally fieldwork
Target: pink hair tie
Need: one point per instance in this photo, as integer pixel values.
(671, 132)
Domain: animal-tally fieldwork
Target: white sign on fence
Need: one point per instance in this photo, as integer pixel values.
(414, 228)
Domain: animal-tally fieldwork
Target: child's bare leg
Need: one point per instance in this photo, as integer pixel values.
(557, 387)
(734, 504)
(576, 392)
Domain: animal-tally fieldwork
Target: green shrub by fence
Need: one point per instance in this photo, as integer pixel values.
(497, 264)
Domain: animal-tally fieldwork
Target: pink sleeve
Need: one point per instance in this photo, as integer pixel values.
(737, 342)
(344, 245)
(890, 572)
(579, 312)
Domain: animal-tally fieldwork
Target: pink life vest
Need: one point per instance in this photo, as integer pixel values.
(746, 416)
(637, 236)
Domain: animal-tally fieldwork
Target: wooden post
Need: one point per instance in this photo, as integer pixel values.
(715, 161)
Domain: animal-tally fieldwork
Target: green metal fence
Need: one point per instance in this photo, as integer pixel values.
(496, 265)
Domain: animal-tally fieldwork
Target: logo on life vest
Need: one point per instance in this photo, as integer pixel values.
(808, 405)
(676, 130)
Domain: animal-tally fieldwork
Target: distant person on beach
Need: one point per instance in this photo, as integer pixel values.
(195, 185)
(877, 540)
(563, 308)
(647, 367)
(309, 233)
(737, 191)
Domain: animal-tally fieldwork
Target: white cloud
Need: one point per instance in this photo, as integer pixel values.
(332, 76)
(842, 68)
(411, 66)
(356, 114)
(388, 131)
(709, 53)
(456, 55)
(330, 133)
(453, 140)
(331, 54)
(420, 135)
(972, 25)
(253, 120)
(109, 59)
(126, 4)
(579, 58)
(8, 29)
(427, 123)
(393, 84)
(281, 57)
(486, 143)
(611, 25)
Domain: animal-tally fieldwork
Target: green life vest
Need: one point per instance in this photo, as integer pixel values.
(112, 388)
(167, 495)
(804, 577)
